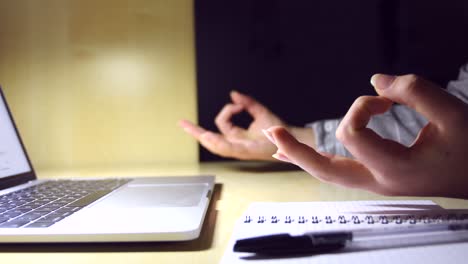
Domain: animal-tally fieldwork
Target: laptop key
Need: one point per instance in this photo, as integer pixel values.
(7, 207)
(12, 214)
(64, 210)
(35, 204)
(45, 209)
(29, 207)
(14, 223)
(90, 198)
(39, 224)
(32, 215)
(51, 218)
(16, 203)
(71, 208)
(22, 210)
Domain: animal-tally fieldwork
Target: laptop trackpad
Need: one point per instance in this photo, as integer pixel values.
(172, 195)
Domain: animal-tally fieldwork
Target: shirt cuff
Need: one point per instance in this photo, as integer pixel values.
(325, 139)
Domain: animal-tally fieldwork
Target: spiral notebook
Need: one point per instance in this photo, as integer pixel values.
(297, 218)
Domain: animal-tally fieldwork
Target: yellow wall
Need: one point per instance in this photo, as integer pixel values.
(100, 82)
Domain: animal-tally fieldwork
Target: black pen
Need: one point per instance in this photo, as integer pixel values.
(360, 239)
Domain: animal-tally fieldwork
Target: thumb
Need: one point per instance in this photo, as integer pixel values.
(251, 105)
(428, 99)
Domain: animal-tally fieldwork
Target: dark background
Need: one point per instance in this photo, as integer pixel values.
(309, 59)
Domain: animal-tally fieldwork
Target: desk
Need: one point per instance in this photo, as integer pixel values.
(238, 184)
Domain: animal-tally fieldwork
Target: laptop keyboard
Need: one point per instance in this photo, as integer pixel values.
(47, 203)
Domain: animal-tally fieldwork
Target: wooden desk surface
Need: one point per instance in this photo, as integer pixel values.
(238, 184)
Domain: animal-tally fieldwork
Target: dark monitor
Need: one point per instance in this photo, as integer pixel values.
(309, 60)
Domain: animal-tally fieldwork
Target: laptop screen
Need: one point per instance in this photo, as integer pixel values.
(13, 160)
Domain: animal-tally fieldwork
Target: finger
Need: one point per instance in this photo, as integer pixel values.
(252, 106)
(210, 140)
(366, 145)
(436, 104)
(363, 108)
(223, 119)
(216, 143)
(220, 145)
(339, 170)
(192, 129)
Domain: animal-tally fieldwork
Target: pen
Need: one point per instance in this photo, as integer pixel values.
(361, 239)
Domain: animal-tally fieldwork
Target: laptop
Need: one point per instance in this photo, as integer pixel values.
(93, 210)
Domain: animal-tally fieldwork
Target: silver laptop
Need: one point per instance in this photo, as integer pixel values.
(97, 210)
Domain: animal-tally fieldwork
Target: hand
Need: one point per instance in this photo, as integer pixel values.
(237, 142)
(434, 165)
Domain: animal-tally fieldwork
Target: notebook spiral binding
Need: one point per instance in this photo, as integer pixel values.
(356, 219)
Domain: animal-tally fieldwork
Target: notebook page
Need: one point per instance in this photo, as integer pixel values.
(297, 218)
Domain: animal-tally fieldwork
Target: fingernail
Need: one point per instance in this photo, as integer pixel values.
(382, 81)
(280, 156)
(269, 136)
